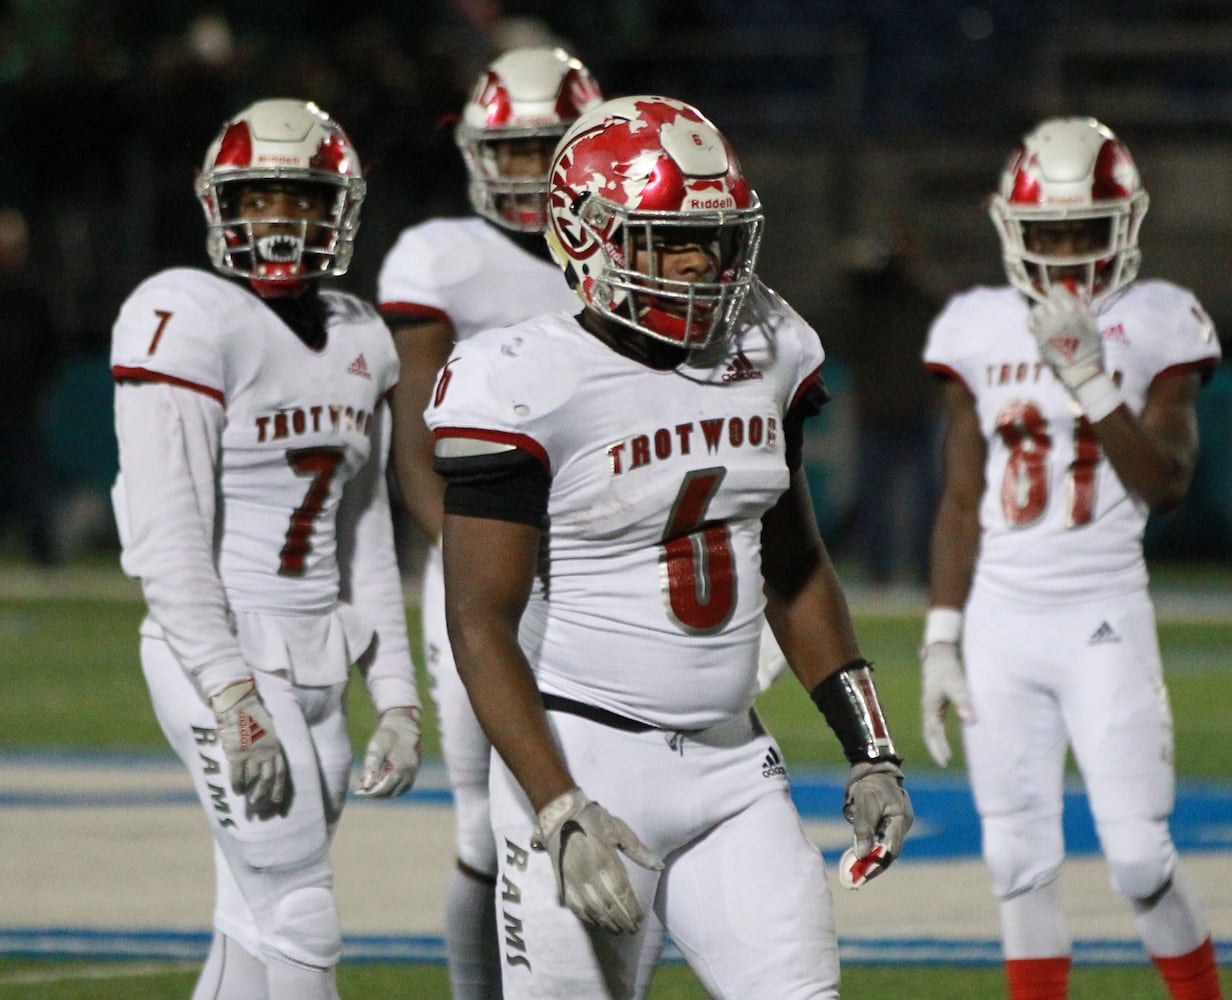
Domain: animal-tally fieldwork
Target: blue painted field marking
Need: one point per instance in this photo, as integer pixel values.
(947, 829)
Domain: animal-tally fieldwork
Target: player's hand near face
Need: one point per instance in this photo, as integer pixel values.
(254, 753)
(582, 838)
(392, 760)
(1070, 344)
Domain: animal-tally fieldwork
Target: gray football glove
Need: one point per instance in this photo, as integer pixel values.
(581, 838)
(392, 760)
(254, 754)
(943, 684)
(877, 806)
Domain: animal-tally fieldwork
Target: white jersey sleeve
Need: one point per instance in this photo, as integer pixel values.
(142, 351)
(169, 419)
(469, 273)
(424, 266)
(164, 502)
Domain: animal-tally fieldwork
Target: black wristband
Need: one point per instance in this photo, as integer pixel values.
(848, 700)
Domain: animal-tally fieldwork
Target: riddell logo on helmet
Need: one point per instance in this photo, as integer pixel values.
(702, 203)
(267, 158)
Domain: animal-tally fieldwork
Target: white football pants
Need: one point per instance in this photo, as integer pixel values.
(275, 878)
(744, 893)
(1042, 679)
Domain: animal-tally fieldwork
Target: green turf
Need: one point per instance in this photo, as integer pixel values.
(73, 681)
(57, 980)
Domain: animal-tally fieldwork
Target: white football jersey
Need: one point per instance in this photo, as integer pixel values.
(650, 601)
(1056, 521)
(472, 273)
(298, 422)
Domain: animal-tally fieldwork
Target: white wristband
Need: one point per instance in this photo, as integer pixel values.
(942, 625)
(1098, 397)
(232, 695)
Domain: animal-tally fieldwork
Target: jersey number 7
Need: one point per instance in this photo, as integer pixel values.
(319, 464)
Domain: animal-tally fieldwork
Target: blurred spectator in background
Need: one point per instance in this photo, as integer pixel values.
(29, 354)
(192, 80)
(879, 331)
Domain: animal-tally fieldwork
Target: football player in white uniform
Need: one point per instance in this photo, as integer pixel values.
(624, 502)
(1069, 416)
(443, 281)
(253, 427)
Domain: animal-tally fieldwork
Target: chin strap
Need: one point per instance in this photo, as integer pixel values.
(277, 289)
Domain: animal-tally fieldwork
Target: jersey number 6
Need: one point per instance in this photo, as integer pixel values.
(696, 560)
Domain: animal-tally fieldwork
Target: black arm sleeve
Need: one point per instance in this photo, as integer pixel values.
(508, 486)
(813, 396)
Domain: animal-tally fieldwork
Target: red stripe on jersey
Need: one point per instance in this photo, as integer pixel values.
(413, 311)
(1203, 367)
(122, 374)
(813, 378)
(939, 369)
(519, 441)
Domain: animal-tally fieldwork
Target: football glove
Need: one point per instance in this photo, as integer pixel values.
(581, 839)
(392, 760)
(254, 754)
(879, 809)
(943, 684)
(1070, 344)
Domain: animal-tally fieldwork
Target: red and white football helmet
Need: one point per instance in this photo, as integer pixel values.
(1070, 169)
(526, 94)
(283, 142)
(652, 170)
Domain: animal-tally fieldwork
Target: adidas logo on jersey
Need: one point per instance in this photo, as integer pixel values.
(1105, 633)
(359, 367)
(741, 369)
(773, 764)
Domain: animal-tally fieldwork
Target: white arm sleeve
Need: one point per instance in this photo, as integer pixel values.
(169, 440)
(370, 580)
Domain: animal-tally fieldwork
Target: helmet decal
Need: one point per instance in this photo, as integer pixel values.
(331, 155)
(1115, 173)
(1026, 180)
(578, 92)
(235, 149)
(495, 98)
